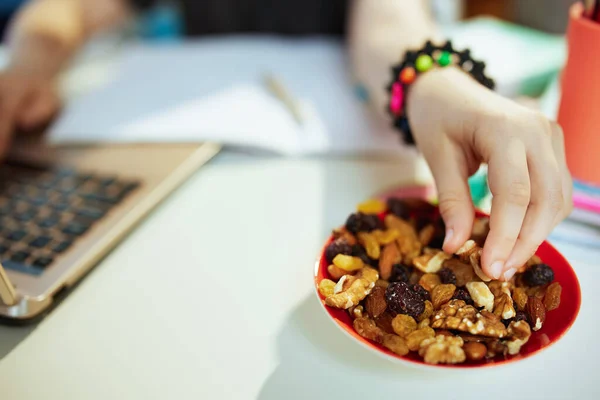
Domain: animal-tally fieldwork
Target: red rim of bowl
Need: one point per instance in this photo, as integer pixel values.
(557, 323)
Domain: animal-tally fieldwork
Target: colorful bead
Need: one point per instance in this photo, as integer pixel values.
(423, 63)
(396, 102)
(396, 88)
(407, 75)
(444, 59)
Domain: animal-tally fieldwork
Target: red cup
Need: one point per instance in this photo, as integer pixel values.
(579, 111)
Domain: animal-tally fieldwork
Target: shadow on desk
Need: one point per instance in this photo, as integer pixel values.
(317, 361)
(12, 336)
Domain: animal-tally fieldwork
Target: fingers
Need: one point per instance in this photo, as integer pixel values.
(8, 107)
(448, 167)
(558, 145)
(510, 185)
(40, 109)
(545, 207)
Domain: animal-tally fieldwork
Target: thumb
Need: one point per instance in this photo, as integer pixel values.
(449, 169)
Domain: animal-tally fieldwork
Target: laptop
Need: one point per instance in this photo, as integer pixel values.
(62, 209)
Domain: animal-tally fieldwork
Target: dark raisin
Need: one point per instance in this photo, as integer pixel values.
(360, 252)
(338, 246)
(359, 222)
(538, 275)
(398, 207)
(400, 273)
(402, 299)
(447, 276)
(521, 316)
(420, 290)
(421, 222)
(463, 294)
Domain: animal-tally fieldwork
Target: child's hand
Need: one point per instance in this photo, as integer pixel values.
(459, 124)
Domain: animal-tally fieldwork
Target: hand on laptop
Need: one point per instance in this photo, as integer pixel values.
(27, 102)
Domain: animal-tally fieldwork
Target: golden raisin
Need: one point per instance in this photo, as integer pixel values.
(370, 244)
(403, 325)
(463, 272)
(428, 311)
(429, 281)
(348, 263)
(413, 341)
(520, 298)
(442, 294)
(395, 344)
(372, 206)
(552, 298)
(326, 287)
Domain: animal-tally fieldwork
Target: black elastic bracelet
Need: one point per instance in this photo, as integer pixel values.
(420, 61)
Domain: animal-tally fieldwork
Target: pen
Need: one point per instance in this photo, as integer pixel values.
(278, 89)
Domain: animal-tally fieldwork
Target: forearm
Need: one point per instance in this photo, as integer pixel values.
(379, 33)
(47, 33)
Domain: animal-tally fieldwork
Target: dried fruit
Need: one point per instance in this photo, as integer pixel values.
(400, 273)
(370, 244)
(402, 299)
(398, 207)
(367, 328)
(463, 272)
(348, 263)
(408, 242)
(463, 294)
(360, 252)
(356, 311)
(520, 316)
(384, 321)
(404, 325)
(375, 302)
(520, 298)
(518, 334)
(536, 313)
(428, 311)
(386, 237)
(339, 246)
(335, 272)
(457, 315)
(389, 257)
(372, 206)
(443, 350)
(326, 287)
(343, 235)
(382, 283)
(359, 222)
(395, 344)
(481, 228)
(424, 323)
(429, 281)
(442, 294)
(420, 290)
(537, 275)
(481, 295)
(447, 276)
(414, 340)
(552, 297)
(429, 263)
(475, 351)
(426, 234)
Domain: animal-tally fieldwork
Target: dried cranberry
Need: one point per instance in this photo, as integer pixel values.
(360, 252)
(420, 290)
(521, 316)
(400, 273)
(538, 275)
(447, 276)
(359, 222)
(401, 298)
(463, 294)
(338, 246)
(398, 207)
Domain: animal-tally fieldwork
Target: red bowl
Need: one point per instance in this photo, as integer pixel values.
(557, 322)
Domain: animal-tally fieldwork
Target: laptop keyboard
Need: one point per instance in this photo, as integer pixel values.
(43, 211)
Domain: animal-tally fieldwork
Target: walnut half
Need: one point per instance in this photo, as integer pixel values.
(443, 350)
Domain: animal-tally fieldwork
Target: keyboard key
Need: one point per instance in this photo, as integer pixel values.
(60, 205)
(19, 256)
(38, 200)
(101, 198)
(3, 248)
(25, 216)
(17, 235)
(90, 212)
(40, 241)
(62, 246)
(75, 228)
(21, 267)
(48, 222)
(43, 261)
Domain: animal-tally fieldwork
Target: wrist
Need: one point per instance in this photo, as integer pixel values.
(39, 56)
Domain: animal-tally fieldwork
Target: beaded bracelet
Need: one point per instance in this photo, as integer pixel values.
(423, 60)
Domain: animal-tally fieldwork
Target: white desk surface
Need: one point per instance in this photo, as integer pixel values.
(212, 298)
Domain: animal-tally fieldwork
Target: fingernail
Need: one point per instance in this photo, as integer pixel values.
(509, 274)
(496, 269)
(448, 238)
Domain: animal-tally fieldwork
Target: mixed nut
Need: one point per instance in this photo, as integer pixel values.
(387, 269)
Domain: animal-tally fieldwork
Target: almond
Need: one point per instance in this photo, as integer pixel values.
(536, 312)
(375, 303)
(389, 256)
